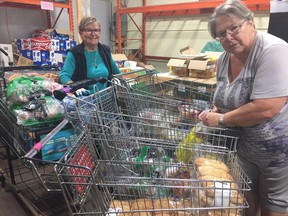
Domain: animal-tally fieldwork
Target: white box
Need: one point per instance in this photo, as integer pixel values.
(4, 60)
(55, 44)
(36, 55)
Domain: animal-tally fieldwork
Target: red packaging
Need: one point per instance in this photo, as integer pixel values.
(40, 33)
(41, 44)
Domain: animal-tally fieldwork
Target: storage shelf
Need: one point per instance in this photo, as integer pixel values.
(178, 9)
(190, 8)
(31, 3)
(36, 4)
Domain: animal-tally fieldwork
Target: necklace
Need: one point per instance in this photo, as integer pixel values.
(93, 56)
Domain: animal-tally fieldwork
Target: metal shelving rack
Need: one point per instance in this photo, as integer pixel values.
(177, 9)
(36, 4)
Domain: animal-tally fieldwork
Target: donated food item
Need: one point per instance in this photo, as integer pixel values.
(209, 181)
(24, 89)
(145, 213)
(162, 213)
(186, 204)
(224, 197)
(120, 206)
(234, 195)
(184, 150)
(182, 187)
(142, 204)
(212, 171)
(12, 75)
(211, 162)
(160, 204)
(226, 212)
(41, 110)
(218, 188)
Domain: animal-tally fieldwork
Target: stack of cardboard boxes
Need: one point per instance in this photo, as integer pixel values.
(193, 64)
(45, 47)
(195, 70)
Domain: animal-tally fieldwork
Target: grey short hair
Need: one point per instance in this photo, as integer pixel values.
(87, 21)
(234, 8)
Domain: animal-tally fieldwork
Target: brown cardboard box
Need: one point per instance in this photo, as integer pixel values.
(120, 59)
(21, 60)
(202, 68)
(188, 51)
(178, 67)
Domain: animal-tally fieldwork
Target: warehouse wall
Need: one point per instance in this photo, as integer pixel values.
(19, 23)
(166, 35)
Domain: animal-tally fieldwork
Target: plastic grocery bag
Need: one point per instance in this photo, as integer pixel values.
(184, 150)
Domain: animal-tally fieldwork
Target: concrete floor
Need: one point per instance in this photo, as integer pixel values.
(10, 206)
(28, 196)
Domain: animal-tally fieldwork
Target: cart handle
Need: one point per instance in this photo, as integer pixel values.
(70, 88)
(39, 145)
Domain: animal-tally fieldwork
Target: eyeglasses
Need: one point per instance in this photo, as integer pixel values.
(234, 30)
(90, 31)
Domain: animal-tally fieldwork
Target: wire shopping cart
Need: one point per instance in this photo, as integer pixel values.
(129, 183)
(34, 180)
(30, 185)
(150, 83)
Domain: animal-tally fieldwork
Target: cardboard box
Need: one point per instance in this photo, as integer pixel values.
(21, 60)
(59, 33)
(188, 51)
(178, 67)
(58, 145)
(120, 59)
(203, 68)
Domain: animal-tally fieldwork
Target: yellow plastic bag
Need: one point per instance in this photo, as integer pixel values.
(184, 150)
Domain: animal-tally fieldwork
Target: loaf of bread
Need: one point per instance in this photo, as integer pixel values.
(231, 212)
(212, 171)
(163, 213)
(211, 162)
(183, 204)
(144, 213)
(209, 189)
(142, 207)
(161, 204)
(214, 175)
(213, 178)
(120, 206)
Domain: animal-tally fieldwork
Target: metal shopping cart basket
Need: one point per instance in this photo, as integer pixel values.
(150, 83)
(145, 176)
(118, 99)
(34, 180)
(36, 186)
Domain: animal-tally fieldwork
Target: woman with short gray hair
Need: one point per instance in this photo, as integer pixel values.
(251, 96)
